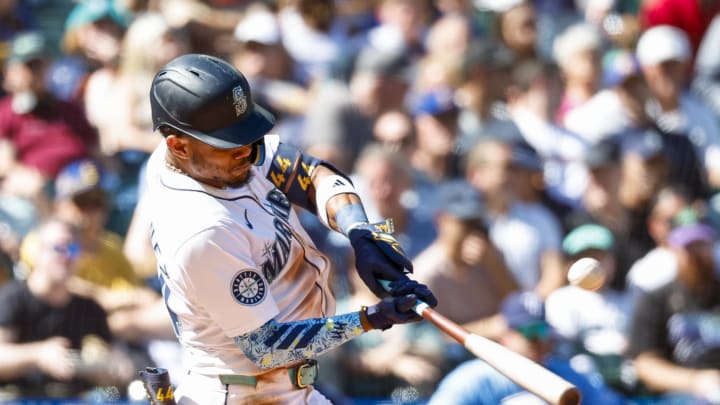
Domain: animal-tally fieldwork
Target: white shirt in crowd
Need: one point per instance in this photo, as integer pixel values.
(523, 235)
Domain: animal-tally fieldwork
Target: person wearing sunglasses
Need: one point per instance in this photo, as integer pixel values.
(81, 198)
(53, 342)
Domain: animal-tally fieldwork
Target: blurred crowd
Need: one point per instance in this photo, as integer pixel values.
(506, 139)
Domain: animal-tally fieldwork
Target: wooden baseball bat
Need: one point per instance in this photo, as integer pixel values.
(524, 372)
(521, 370)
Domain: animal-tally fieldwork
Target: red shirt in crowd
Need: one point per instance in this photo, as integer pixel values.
(49, 137)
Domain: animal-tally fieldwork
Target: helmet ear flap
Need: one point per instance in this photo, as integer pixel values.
(257, 155)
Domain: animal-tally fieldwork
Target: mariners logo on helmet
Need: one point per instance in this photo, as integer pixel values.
(239, 101)
(248, 287)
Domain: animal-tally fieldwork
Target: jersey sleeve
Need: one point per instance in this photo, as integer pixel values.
(220, 275)
(290, 170)
(271, 146)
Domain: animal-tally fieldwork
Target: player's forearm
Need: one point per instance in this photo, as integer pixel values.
(338, 205)
(276, 344)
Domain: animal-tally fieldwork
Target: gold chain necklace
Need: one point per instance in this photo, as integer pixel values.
(173, 168)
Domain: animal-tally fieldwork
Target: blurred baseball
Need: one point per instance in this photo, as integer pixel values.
(587, 274)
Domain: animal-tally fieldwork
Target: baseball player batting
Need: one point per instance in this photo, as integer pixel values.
(245, 287)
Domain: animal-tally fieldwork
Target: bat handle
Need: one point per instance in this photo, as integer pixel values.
(420, 306)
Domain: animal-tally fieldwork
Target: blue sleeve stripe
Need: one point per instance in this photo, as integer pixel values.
(285, 344)
(307, 337)
(276, 335)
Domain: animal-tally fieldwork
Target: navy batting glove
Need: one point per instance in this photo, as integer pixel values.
(407, 286)
(378, 256)
(393, 310)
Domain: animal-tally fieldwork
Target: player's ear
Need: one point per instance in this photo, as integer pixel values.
(177, 145)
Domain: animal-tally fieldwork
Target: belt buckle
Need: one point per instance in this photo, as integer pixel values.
(305, 374)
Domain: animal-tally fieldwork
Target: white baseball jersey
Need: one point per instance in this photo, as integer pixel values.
(231, 260)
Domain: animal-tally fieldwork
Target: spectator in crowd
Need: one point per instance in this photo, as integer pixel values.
(671, 206)
(664, 54)
(619, 200)
(618, 106)
(435, 72)
(103, 272)
(592, 322)
(529, 102)
(482, 92)
(18, 216)
(527, 233)
(40, 134)
(693, 17)
(210, 24)
(93, 32)
(54, 343)
(15, 17)
(260, 55)
(674, 347)
(7, 267)
(645, 169)
(148, 43)
(315, 22)
(125, 131)
(395, 130)
(434, 160)
(463, 264)
(402, 25)
(339, 122)
(577, 53)
(435, 115)
(527, 333)
(517, 29)
(706, 80)
(449, 36)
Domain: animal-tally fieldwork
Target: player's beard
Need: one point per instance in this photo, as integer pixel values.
(222, 177)
(242, 181)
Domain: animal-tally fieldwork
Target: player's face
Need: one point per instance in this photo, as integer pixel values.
(219, 167)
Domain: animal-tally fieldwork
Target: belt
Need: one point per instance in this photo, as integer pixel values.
(301, 376)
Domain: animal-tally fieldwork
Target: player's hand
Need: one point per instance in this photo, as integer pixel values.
(405, 286)
(393, 310)
(378, 256)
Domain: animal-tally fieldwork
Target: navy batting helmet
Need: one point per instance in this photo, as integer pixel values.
(208, 99)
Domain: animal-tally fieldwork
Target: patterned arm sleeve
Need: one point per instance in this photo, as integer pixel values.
(275, 344)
